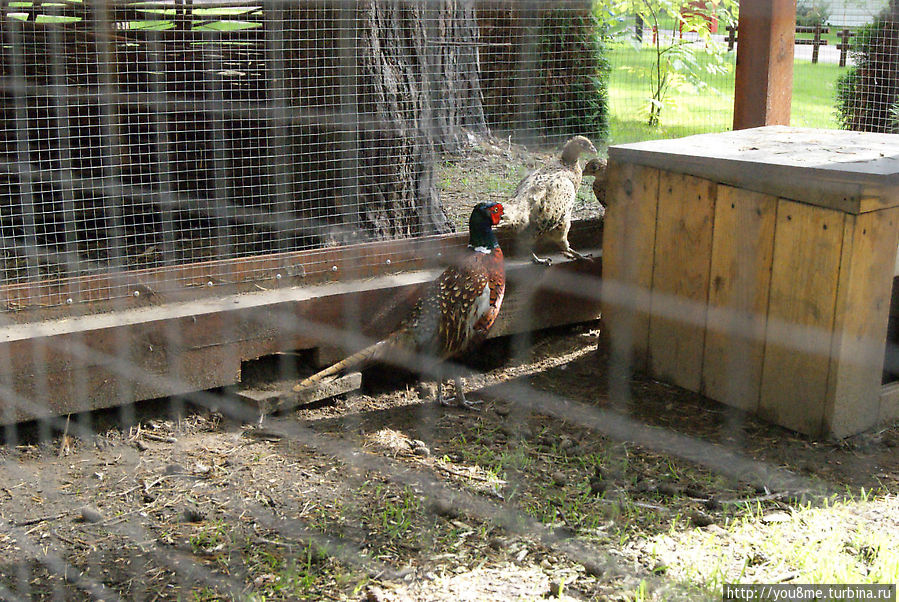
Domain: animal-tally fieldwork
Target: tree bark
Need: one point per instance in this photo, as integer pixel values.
(320, 127)
(420, 93)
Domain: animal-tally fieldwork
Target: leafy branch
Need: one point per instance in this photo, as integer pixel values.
(676, 61)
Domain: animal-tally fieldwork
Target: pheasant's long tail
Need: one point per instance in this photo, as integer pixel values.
(356, 359)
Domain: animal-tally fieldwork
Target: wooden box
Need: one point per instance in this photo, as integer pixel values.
(756, 267)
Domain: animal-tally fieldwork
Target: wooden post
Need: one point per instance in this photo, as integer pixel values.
(731, 37)
(816, 44)
(844, 36)
(764, 78)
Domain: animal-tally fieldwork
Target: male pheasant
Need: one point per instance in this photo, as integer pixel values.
(455, 312)
(541, 205)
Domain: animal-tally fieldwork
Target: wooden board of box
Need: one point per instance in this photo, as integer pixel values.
(756, 267)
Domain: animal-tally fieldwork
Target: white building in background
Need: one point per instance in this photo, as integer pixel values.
(850, 13)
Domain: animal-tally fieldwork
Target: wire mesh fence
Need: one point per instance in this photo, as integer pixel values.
(157, 136)
(838, 48)
(829, 42)
(147, 136)
(672, 69)
(256, 187)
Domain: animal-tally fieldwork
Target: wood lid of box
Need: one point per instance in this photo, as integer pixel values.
(854, 172)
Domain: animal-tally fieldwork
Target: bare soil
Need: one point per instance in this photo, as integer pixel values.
(385, 496)
(549, 491)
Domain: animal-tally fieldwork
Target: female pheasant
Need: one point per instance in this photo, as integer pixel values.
(541, 205)
(454, 314)
(597, 168)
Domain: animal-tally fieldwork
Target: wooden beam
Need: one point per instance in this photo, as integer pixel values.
(280, 396)
(84, 363)
(113, 291)
(764, 77)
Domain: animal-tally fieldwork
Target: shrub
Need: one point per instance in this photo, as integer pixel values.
(573, 70)
(867, 95)
(569, 68)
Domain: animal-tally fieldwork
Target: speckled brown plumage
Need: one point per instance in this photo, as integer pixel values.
(541, 205)
(597, 169)
(455, 313)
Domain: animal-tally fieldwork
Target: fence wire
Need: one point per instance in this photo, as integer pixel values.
(198, 158)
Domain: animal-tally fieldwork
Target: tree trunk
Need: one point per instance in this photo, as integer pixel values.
(419, 90)
(320, 126)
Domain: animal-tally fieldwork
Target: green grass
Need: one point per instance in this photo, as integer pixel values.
(814, 90)
(838, 543)
(691, 110)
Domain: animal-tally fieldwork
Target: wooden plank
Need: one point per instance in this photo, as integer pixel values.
(628, 247)
(742, 249)
(680, 281)
(214, 278)
(764, 75)
(281, 397)
(889, 403)
(807, 249)
(860, 322)
(54, 390)
(96, 361)
(211, 279)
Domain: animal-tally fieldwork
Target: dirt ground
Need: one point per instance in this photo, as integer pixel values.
(553, 489)
(386, 496)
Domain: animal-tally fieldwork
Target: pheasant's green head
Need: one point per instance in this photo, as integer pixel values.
(480, 225)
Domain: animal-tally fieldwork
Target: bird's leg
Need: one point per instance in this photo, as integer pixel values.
(459, 400)
(572, 254)
(460, 396)
(526, 242)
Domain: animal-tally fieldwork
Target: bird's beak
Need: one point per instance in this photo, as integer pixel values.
(593, 149)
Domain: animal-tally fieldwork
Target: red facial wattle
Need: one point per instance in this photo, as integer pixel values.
(496, 213)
